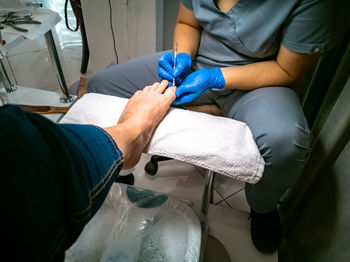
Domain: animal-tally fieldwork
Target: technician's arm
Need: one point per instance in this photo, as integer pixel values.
(187, 36)
(283, 71)
(187, 32)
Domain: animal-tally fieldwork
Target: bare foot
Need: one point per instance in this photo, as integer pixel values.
(143, 112)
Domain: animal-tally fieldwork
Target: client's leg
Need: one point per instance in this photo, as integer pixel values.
(280, 130)
(56, 178)
(125, 79)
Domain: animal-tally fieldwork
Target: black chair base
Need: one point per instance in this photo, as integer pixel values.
(151, 167)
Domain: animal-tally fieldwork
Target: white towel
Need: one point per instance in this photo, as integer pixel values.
(220, 144)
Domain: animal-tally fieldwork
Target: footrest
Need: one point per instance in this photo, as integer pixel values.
(220, 144)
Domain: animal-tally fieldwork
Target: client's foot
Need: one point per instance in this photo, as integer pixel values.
(266, 231)
(141, 115)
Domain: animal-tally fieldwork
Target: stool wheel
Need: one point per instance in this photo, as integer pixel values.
(151, 168)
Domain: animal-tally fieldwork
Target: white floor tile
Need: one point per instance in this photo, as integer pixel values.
(226, 186)
(232, 228)
(222, 187)
(238, 201)
(173, 177)
(223, 203)
(216, 197)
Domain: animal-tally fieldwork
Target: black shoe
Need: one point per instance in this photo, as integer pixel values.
(266, 232)
(128, 179)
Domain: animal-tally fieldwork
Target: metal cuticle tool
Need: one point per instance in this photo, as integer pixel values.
(12, 19)
(175, 54)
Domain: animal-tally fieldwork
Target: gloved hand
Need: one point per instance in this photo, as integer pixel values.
(197, 83)
(166, 70)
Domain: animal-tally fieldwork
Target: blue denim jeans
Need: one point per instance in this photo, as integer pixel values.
(55, 178)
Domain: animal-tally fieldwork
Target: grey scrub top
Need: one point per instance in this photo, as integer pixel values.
(252, 30)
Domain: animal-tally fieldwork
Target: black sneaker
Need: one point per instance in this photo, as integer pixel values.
(128, 179)
(265, 231)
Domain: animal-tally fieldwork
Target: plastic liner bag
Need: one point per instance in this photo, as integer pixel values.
(139, 225)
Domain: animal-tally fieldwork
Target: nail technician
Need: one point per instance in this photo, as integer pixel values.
(243, 56)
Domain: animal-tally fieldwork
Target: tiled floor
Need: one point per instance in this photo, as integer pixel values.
(228, 217)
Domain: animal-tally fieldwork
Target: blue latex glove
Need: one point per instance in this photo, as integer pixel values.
(197, 83)
(166, 70)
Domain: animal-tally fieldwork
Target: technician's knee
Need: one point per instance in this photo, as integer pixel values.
(286, 144)
(95, 83)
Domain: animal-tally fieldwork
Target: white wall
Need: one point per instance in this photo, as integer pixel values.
(137, 26)
(171, 8)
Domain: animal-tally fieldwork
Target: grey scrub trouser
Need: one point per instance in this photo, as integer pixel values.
(273, 114)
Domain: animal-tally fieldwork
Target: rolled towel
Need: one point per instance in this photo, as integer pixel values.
(220, 144)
